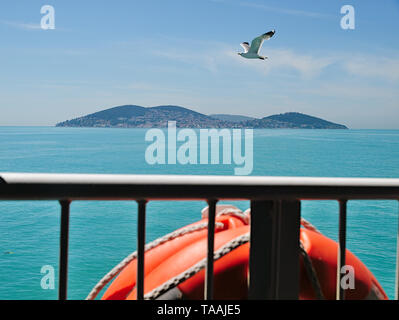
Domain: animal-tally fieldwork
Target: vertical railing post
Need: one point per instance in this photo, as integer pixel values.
(140, 248)
(262, 255)
(397, 262)
(274, 250)
(208, 290)
(64, 239)
(289, 220)
(341, 254)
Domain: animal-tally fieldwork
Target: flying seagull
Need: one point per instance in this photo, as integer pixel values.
(252, 52)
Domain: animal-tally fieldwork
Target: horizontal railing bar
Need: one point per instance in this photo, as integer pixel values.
(67, 178)
(30, 186)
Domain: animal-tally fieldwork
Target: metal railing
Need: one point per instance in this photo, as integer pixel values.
(275, 215)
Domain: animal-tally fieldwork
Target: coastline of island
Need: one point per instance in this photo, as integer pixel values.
(133, 116)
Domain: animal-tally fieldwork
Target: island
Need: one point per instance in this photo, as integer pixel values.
(133, 116)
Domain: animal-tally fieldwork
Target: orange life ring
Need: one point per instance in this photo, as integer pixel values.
(231, 271)
(126, 280)
(323, 254)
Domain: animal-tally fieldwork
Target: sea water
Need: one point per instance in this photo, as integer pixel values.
(102, 233)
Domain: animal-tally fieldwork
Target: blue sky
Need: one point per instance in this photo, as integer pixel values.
(183, 52)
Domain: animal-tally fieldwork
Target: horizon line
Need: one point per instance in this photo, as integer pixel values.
(54, 126)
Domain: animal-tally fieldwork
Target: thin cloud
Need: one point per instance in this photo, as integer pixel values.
(285, 11)
(223, 56)
(285, 61)
(351, 91)
(306, 65)
(294, 12)
(21, 25)
(288, 62)
(374, 67)
(203, 60)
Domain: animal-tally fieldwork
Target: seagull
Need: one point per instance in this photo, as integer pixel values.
(252, 52)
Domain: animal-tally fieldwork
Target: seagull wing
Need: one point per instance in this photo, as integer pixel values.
(245, 45)
(256, 43)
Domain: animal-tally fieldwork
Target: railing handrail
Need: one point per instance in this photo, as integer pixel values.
(51, 186)
(89, 178)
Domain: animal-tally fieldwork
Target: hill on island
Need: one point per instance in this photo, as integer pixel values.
(133, 116)
(231, 117)
(293, 120)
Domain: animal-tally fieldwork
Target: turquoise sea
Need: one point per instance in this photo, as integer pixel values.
(103, 233)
